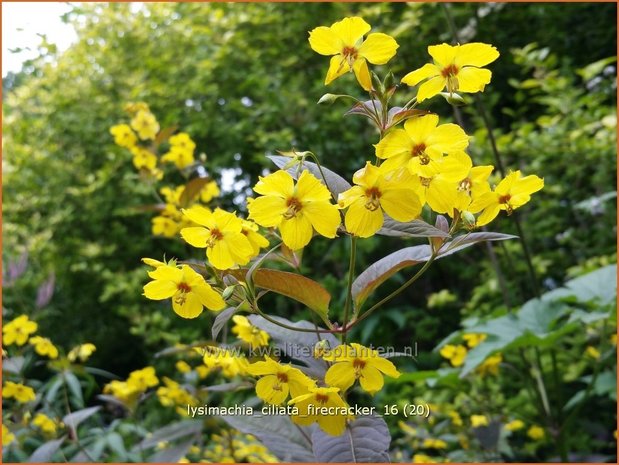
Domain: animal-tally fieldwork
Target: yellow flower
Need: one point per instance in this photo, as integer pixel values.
(344, 40)
(473, 184)
(182, 141)
(511, 193)
(209, 192)
(257, 240)
(173, 394)
(183, 367)
(473, 339)
(296, 210)
(455, 354)
(145, 124)
(247, 332)
(142, 379)
(514, 425)
(164, 226)
(180, 158)
(324, 406)
(423, 458)
(156, 263)
(123, 135)
(18, 331)
(83, 351)
(278, 380)
(7, 436)
(44, 347)
(44, 423)
(536, 432)
(121, 390)
(592, 352)
(456, 67)
(223, 359)
(377, 192)
(490, 365)
(143, 159)
(220, 233)
(17, 391)
(456, 420)
(420, 144)
(479, 420)
(189, 291)
(356, 362)
(613, 339)
(430, 443)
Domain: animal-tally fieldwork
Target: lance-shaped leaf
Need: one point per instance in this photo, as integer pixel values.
(221, 319)
(165, 134)
(415, 228)
(45, 452)
(297, 287)
(467, 240)
(334, 182)
(192, 189)
(365, 440)
(73, 419)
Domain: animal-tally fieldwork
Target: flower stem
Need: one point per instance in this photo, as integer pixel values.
(351, 273)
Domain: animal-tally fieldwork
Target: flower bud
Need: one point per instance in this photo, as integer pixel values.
(228, 291)
(468, 219)
(454, 99)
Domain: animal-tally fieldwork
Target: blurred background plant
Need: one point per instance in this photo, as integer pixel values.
(241, 80)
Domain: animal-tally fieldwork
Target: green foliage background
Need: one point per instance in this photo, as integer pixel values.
(243, 82)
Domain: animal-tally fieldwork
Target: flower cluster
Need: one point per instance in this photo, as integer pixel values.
(138, 382)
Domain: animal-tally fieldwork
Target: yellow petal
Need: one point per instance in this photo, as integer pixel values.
(363, 222)
(448, 138)
(190, 308)
(426, 71)
(279, 183)
(488, 215)
(240, 247)
(401, 204)
(209, 298)
(170, 273)
(345, 198)
(527, 185)
(378, 48)
(159, 290)
(443, 54)
(338, 66)
(385, 366)
(296, 232)
(341, 375)
(324, 41)
(483, 202)
(196, 236)
(397, 142)
(473, 79)
(362, 73)
(219, 256)
(419, 129)
(371, 380)
(475, 54)
(267, 211)
(430, 88)
(324, 217)
(442, 196)
(350, 30)
(200, 215)
(266, 390)
(310, 188)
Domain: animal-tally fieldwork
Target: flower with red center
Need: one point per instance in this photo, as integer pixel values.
(189, 291)
(457, 68)
(325, 406)
(278, 380)
(344, 40)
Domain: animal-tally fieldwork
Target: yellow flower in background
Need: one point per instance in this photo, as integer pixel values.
(121, 390)
(356, 362)
(220, 233)
(18, 331)
(145, 124)
(84, 351)
(173, 394)
(230, 364)
(257, 240)
(423, 458)
(7, 436)
(514, 425)
(457, 68)
(189, 291)
(344, 40)
(182, 141)
(43, 346)
(182, 366)
(455, 354)
(143, 379)
(490, 366)
(376, 193)
(143, 159)
(247, 332)
(536, 432)
(456, 419)
(181, 151)
(44, 423)
(278, 380)
(322, 397)
(592, 352)
(430, 443)
(473, 339)
(420, 144)
(21, 393)
(297, 210)
(209, 192)
(512, 192)
(164, 226)
(479, 420)
(123, 135)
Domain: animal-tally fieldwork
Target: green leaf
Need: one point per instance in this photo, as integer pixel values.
(467, 240)
(415, 228)
(75, 387)
(173, 454)
(169, 433)
(73, 419)
(599, 285)
(283, 438)
(595, 68)
(115, 441)
(293, 285)
(335, 182)
(365, 439)
(221, 319)
(46, 451)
